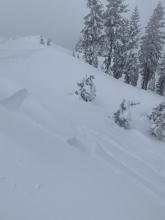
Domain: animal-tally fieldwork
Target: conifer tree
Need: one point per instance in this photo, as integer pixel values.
(152, 83)
(49, 42)
(42, 41)
(123, 115)
(160, 86)
(113, 21)
(120, 54)
(132, 63)
(86, 89)
(91, 34)
(157, 119)
(152, 45)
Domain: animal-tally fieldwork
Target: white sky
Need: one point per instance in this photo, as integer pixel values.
(60, 19)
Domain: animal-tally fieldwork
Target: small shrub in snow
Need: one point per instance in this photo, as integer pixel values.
(157, 119)
(49, 42)
(131, 103)
(123, 116)
(87, 89)
(42, 41)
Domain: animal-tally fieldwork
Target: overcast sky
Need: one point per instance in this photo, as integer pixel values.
(60, 19)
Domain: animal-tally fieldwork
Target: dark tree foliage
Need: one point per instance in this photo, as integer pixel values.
(152, 45)
(157, 119)
(87, 89)
(113, 25)
(91, 35)
(160, 86)
(131, 70)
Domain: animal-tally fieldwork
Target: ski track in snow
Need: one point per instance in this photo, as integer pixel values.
(121, 160)
(116, 156)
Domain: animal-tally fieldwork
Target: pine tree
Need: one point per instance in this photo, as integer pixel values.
(120, 51)
(87, 89)
(42, 41)
(160, 86)
(132, 64)
(123, 116)
(113, 21)
(49, 42)
(91, 35)
(152, 83)
(152, 45)
(73, 53)
(157, 119)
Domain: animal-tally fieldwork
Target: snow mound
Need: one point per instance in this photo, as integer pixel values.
(16, 100)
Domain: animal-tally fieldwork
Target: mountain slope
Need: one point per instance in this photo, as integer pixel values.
(61, 158)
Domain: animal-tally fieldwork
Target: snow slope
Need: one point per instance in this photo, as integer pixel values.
(63, 159)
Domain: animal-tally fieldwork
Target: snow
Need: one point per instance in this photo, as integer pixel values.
(62, 158)
(15, 101)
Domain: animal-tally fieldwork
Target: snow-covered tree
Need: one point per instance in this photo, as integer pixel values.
(49, 42)
(152, 45)
(120, 53)
(157, 119)
(152, 83)
(73, 53)
(91, 35)
(87, 89)
(160, 86)
(42, 40)
(113, 22)
(78, 46)
(123, 116)
(132, 60)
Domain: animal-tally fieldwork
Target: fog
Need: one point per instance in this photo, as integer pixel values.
(60, 20)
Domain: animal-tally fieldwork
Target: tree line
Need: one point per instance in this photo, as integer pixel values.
(113, 39)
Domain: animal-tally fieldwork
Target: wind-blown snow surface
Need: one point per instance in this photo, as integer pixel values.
(64, 159)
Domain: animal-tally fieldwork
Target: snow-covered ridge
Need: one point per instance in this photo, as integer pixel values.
(62, 158)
